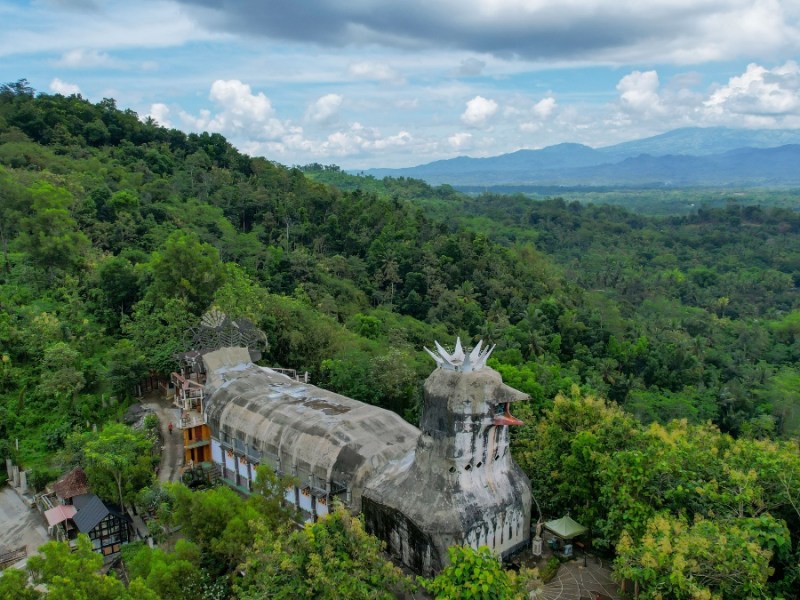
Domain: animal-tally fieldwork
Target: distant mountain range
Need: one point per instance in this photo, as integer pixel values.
(714, 156)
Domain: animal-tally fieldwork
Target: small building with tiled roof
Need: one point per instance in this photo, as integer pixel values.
(74, 483)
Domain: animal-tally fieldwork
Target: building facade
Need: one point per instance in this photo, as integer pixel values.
(421, 490)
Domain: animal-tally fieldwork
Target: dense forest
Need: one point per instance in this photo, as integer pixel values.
(660, 353)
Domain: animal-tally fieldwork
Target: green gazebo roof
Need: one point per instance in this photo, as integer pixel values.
(566, 527)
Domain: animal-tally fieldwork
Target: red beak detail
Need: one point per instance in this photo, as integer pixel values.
(507, 419)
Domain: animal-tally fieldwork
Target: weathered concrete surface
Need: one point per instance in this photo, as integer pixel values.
(453, 482)
(460, 485)
(327, 441)
(19, 524)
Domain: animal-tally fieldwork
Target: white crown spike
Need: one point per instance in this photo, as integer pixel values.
(458, 353)
(457, 360)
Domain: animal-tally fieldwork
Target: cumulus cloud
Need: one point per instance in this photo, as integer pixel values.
(159, 112)
(460, 141)
(545, 107)
(240, 113)
(479, 110)
(252, 123)
(62, 87)
(759, 92)
(599, 31)
(323, 109)
(639, 93)
(358, 139)
(87, 59)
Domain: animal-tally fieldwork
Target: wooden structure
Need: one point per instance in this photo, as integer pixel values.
(189, 396)
(107, 528)
(10, 557)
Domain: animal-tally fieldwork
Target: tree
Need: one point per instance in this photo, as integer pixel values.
(221, 522)
(125, 368)
(158, 331)
(330, 559)
(704, 559)
(175, 574)
(73, 574)
(14, 586)
(116, 453)
(475, 574)
(61, 378)
(565, 454)
(187, 269)
(49, 234)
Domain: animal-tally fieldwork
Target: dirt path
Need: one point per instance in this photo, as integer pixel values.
(172, 450)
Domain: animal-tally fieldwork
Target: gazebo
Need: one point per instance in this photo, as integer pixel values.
(566, 528)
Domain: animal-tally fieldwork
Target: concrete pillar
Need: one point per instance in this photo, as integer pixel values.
(15, 476)
(9, 468)
(23, 482)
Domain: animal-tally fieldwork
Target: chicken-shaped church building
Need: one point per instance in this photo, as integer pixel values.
(451, 482)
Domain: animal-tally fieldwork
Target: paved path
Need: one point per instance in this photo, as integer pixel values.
(20, 525)
(172, 450)
(576, 582)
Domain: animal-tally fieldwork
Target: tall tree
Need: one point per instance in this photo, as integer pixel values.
(115, 452)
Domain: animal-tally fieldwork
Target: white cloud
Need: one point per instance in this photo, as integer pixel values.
(358, 139)
(545, 107)
(639, 93)
(160, 113)
(323, 109)
(375, 71)
(62, 87)
(460, 141)
(759, 92)
(479, 110)
(87, 59)
(241, 114)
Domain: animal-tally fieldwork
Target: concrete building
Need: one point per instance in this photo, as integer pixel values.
(421, 490)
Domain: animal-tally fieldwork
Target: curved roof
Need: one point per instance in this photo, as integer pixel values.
(322, 438)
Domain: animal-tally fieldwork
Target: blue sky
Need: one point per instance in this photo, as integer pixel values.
(367, 83)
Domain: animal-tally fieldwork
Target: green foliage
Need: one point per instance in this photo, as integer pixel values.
(117, 461)
(14, 586)
(187, 269)
(564, 453)
(704, 559)
(222, 523)
(174, 574)
(74, 574)
(126, 366)
(332, 558)
(50, 234)
(474, 574)
(623, 480)
(117, 234)
(550, 569)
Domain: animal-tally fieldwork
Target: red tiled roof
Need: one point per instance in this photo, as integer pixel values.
(72, 484)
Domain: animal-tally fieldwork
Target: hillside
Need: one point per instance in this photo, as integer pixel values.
(117, 234)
